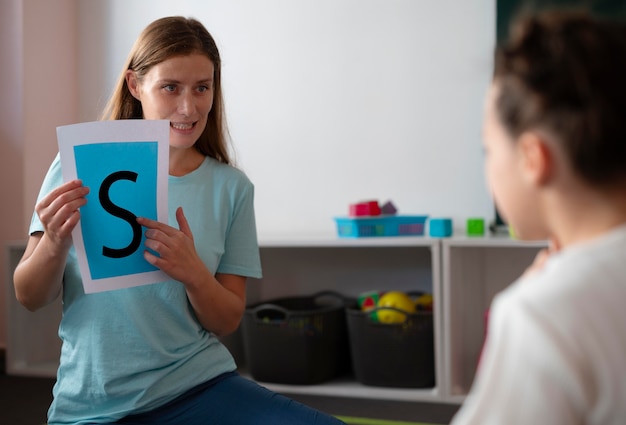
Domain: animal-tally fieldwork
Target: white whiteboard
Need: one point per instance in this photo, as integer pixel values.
(330, 102)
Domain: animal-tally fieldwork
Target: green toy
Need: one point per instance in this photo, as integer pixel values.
(475, 227)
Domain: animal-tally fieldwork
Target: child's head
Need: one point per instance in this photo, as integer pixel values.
(559, 99)
(161, 40)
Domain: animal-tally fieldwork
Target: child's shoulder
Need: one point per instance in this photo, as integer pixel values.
(582, 278)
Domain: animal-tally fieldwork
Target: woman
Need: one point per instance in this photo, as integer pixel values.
(150, 354)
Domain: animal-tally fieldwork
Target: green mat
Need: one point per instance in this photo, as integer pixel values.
(368, 421)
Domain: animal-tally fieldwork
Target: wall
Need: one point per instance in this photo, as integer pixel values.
(11, 180)
(38, 68)
(331, 102)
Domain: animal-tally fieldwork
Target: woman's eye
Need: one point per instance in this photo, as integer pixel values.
(203, 89)
(170, 87)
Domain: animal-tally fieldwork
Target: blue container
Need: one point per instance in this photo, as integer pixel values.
(393, 225)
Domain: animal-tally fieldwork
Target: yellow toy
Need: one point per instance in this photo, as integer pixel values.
(395, 299)
(424, 302)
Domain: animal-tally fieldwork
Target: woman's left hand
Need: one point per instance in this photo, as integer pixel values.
(176, 251)
(218, 301)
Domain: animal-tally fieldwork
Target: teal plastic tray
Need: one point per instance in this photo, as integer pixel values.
(395, 225)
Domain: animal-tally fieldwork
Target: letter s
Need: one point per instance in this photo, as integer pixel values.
(121, 213)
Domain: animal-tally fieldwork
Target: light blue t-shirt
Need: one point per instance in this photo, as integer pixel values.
(131, 350)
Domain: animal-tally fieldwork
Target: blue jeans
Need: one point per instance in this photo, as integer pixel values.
(231, 400)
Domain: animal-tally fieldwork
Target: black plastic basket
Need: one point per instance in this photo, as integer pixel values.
(297, 340)
(392, 355)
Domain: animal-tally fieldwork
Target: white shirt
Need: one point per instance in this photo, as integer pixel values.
(556, 348)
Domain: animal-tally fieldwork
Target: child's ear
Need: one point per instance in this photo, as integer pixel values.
(537, 158)
(132, 83)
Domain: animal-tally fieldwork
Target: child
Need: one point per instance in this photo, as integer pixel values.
(555, 140)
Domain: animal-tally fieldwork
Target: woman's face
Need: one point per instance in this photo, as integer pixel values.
(514, 194)
(180, 90)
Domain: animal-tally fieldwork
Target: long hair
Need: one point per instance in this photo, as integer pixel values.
(161, 40)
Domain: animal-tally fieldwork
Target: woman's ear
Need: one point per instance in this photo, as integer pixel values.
(132, 83)
(537, 158)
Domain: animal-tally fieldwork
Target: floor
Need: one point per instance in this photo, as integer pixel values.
(386, 411)
(25, 400)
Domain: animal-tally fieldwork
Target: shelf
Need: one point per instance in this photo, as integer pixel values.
(351, 266)
(463, 274)
(329, 242)
(353, 389)
(474, 270)
(347, 386)
(33, 345)
(40, 370)
(489, 241)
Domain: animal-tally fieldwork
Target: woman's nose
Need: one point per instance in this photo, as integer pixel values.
(186, 104)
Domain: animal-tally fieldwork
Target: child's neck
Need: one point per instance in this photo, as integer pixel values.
(584, 214)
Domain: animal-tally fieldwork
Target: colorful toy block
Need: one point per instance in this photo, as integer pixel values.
(369, 301)
(475, 227)
(389, 208)
(440, 227)
(368, 208)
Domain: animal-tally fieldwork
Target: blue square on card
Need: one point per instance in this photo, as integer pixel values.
(122, 178)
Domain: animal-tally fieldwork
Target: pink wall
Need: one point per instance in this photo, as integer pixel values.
(38, 65)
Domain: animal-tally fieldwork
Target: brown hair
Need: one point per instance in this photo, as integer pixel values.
(159, 41)
(564, 72)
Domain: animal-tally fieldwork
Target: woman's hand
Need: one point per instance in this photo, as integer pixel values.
(218, 301)
(38, 278)
(59, 214)
(176, 251)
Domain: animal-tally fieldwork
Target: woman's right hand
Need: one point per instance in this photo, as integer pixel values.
(58, 212)
(38, 278)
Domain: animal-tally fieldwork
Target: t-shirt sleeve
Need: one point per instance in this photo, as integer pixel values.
(53, 179)
(241, 250)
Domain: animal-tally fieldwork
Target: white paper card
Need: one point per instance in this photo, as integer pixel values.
(125, 164)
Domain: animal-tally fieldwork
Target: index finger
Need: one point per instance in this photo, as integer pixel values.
(65, 188)
(153, 224)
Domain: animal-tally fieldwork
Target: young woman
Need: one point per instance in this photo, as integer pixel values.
(555, 140)
(150, 354)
